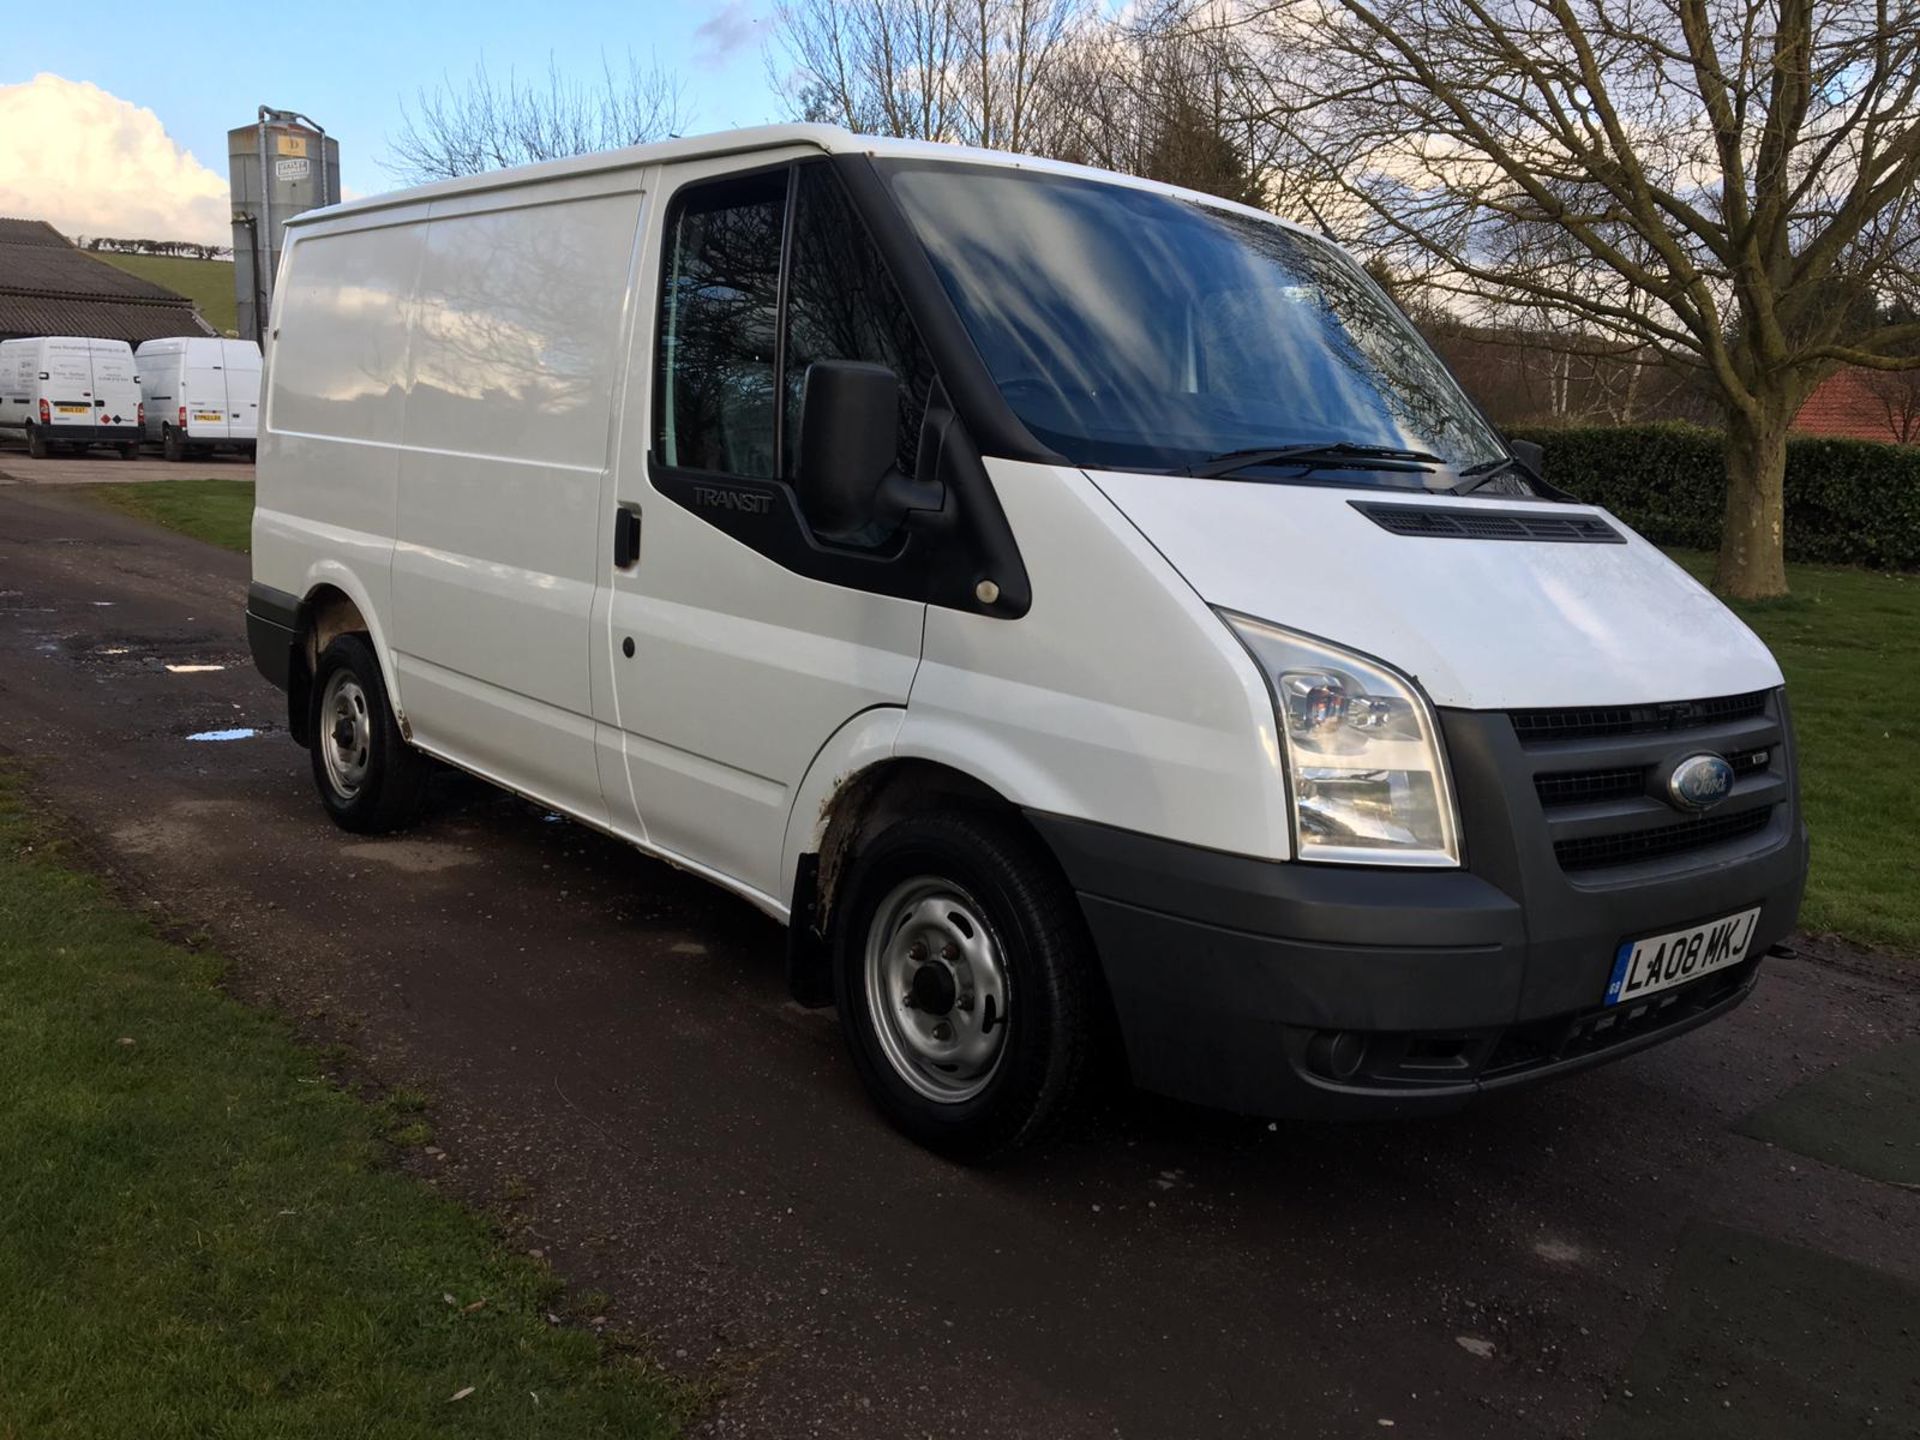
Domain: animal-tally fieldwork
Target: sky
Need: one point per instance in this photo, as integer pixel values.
(129, 139)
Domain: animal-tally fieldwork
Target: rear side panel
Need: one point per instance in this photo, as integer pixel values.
(336, 384)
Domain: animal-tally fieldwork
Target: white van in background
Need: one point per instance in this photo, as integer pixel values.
(1084, 611)
(202, 393)
(69, 392)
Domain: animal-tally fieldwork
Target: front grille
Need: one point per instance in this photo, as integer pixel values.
(1594, 722)
(1473, 523)
(1586, 787)
(1590, 852)
(1582, 787)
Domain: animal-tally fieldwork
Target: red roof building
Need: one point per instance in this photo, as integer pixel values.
(1859, 404)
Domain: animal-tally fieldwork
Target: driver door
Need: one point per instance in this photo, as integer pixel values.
(729, 670)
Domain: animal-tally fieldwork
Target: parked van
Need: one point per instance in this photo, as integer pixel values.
(69, 392)
(201, 393)
(1084, 611)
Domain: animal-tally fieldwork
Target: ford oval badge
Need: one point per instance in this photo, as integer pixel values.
(1700, 782)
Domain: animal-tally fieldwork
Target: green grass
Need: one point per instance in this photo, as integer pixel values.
(1849, 642)
(207, 283)
(201, 1235)
(217, 511)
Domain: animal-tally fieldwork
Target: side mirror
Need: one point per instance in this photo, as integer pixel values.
(1531, 454)
(849, 431)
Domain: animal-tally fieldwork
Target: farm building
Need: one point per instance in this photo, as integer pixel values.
(49, 287)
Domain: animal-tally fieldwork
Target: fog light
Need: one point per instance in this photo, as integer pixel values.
(1336, 1054)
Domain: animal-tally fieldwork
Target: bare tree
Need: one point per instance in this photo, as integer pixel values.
(971, 72)
(487, 124)
(1170, 94)
(1729, 184)
(1898, 392)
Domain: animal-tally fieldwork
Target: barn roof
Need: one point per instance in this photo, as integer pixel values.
(49, 287)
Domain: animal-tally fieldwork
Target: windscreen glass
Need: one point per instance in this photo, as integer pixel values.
(1135, 330)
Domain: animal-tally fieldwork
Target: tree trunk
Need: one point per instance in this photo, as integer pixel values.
(1752, 563)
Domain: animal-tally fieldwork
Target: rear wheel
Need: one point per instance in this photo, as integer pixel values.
(370, 779)
(173, 445)
(130, 452)
(966, 985)
(36, 443)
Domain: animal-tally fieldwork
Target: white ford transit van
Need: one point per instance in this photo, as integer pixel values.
(70, 392)
(1084, 611)
(201, 393)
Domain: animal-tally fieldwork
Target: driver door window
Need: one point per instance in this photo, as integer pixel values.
(719, 332)
(732, 365)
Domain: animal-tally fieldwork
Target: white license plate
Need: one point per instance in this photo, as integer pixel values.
(1660, 962)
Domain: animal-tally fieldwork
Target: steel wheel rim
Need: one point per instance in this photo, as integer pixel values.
(346, 734)
(937, 989)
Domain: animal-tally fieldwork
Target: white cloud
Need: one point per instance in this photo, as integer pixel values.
(725, 33)
(91, 163)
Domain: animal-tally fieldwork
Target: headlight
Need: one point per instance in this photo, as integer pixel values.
(1367, 780)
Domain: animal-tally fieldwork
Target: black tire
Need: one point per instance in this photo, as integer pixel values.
(1048, 1059)
(36, 444)
(385, 789)
(129, 452)
(173, 445)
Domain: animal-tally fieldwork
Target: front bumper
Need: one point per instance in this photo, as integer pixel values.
(1251, 985)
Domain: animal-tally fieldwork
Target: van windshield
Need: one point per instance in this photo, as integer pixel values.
(1131, 330)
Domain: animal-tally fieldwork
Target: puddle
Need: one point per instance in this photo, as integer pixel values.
(244, 733)
(193, 669)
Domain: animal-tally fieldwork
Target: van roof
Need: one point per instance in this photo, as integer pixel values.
(828, 139)
(70, 342)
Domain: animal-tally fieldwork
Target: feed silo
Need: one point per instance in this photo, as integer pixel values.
(278, 166)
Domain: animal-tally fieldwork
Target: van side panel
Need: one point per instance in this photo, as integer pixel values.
(240, 361)
(17, 382)
(1120, 697)
(330, 456)
(516, 358)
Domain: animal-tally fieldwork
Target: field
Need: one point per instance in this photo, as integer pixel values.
(208, 283)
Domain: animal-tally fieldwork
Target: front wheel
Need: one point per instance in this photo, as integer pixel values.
(966, 984)
(37, 444)
(370, 779)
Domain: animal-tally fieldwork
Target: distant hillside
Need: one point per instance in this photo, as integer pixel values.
(208, 283)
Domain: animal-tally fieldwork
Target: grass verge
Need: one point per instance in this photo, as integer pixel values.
(217, 511)
(1849, 643)
(199, 1235)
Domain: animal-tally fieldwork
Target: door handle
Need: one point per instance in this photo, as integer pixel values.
(626, 538)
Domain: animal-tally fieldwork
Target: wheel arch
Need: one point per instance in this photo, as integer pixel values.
(838, 808)
(335, 603)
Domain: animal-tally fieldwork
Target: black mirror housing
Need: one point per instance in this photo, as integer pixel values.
(849, 431)
(1531, 454)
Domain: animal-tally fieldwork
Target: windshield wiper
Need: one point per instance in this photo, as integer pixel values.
(1476, 477)
(1369, 457)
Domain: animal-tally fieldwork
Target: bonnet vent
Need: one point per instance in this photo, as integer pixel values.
(1464, 522)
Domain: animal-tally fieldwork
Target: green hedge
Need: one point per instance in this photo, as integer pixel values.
(1849, 502)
